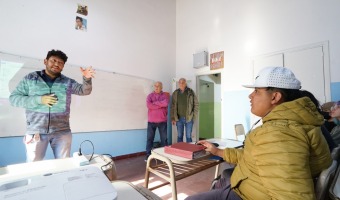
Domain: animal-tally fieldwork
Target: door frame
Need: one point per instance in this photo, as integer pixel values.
(281, 53)
(326, 61)
(202, 72)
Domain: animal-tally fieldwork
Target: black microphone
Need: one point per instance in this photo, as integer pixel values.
(79, 154)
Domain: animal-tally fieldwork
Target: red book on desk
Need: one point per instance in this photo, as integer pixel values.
(186, 150)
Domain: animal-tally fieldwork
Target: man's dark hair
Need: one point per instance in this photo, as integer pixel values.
(57, 53)
(287, 94)
(305, 93)
(81, 19)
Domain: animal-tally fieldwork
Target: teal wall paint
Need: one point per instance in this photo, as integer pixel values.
(236, 110)
(335, 91)
(115, 143)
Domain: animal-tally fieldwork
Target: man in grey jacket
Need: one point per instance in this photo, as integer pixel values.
(46, 96)
(184, 110)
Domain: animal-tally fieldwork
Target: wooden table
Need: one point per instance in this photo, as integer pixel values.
(173, 168)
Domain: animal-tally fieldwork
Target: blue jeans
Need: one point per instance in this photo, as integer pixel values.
(181, 123)
(36, 149)
(162, 128)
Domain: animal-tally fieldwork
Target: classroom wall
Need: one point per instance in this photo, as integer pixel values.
(156, 39)
(133, 37)
(114, 143)
(245, 29)
(125, 36)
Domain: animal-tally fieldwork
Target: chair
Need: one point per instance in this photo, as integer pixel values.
(334, 190)
(336, 153)
(225, 175)
(239, 131)
(324, 180)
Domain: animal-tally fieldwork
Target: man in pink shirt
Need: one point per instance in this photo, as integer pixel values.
(157, 103)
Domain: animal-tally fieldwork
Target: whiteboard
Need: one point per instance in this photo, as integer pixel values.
(117, 101)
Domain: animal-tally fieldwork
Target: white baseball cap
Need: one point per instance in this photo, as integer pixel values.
(277, 77)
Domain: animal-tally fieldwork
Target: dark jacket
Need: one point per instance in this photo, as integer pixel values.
(192, 109)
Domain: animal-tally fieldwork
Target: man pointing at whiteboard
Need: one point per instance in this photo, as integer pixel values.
(46, 96)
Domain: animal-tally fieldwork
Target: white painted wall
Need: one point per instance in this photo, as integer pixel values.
(132, 37)
(244, 29)
(156, 38)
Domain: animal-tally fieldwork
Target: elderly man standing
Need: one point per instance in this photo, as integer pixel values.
(184, 110)
(157, 103)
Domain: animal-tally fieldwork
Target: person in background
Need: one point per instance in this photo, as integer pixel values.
(325, 132)
(335, 114)
(157, 103)
(184, 110)
(326, 109)
(46, 96)
(281, 157)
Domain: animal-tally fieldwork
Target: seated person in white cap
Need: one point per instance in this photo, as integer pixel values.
(281, 157)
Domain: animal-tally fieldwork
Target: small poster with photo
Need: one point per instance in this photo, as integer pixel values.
(81, 24)
(217, 60)
(82, 9)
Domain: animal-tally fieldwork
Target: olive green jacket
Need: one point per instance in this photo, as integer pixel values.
(281, 157)
(192, 109)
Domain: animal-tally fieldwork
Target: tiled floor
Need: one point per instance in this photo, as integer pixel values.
(133, 170)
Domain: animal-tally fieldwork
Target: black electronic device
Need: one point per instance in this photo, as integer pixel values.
(215, 144)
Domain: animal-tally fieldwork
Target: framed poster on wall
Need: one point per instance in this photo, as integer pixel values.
(217, 60)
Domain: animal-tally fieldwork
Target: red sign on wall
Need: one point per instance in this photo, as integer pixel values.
(217, 60)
